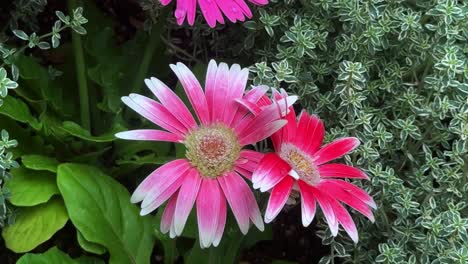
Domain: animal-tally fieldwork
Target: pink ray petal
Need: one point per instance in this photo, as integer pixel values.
(262, 132)
(323, 201)
(221, 221)
(289, 130)
(278, 197)
(341, 171)
(308, 207)
(210, 87)
(237, 201)
(194, 91)
(230, 10)
(210, 11)
(245, 8)
(240, 186)
(246, 173)
(208, 211)
(253, 96)
(236, 86)
(259, 2)
(348, 198)
(251, 107)
(171, 101)
(354, 190)
(265, 167)
(154, 112)
(251, 155)
(187, 195)
(221, 93)
(335, 149)
(161, 198)
(168, 214)
(275, 176)
(345, 220)
(149, 134)
(159, 177)
(165, 2)
(312, 137)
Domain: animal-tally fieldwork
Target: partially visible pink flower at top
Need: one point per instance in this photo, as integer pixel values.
(213, 10)
(215, 159)
(299, 165)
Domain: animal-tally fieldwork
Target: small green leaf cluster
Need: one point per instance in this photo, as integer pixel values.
(394, 74)
(7, 162)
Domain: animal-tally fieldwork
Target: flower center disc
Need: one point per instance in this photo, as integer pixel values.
(212, 150)
(301, 163)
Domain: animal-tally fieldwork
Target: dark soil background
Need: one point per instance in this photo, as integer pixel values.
(291, 241)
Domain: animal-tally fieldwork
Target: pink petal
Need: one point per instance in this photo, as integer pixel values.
(251, 155)
(149, 134)
(327, 209)
(259, 2)
(335, 149)
(187, 195)
(221, 221)
(154, 112)
(248, 160)
(246, 173)
(237, 82)
(230, 10)
(278, 197)
(194, 91)
(161, 198)
(168, 214)
(210, 11)
(252, 96)
(162, 176)
(221, 93)
(290, 128)
(262, 132)
(310, 133)
(254, 211)
(236, 200)
(251, 107)
(354, 190)
(341, 171)
(172, 102)
(308, 207)
(165, 2)
(348, 198)
(208, 211)
(345, 220)
(210, 87)
(244, 7)
(269, 163)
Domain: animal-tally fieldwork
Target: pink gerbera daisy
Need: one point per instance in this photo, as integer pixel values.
(215, 158)
(298, 165)
(213, 10)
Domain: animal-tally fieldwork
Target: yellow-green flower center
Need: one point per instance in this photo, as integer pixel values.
(212, 150)
(301, 163)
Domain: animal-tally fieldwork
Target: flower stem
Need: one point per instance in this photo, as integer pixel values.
(80, 73)
(154, 37)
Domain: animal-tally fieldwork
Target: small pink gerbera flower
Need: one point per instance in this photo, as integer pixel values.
(213, 10)
(299, 166)
(215, 158)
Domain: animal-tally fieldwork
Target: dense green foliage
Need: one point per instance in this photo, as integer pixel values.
(393, 73)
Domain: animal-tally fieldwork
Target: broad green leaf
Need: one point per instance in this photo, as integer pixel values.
(35, 225)
(19, 111)
(148, 159)
(51, 256)
(76, 130)
(89, 246)
(100, 209)
(30, 187)
(39, 162)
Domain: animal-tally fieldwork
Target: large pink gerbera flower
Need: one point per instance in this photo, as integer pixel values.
(299, 165)
(213, 10)
(215, 158)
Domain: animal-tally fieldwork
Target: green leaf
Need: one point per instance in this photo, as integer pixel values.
(19, 111)
(90, 246)
(76, 130)
(100, 209)
(29, 188)
(51, 256)
(35, 225)
(39, 162)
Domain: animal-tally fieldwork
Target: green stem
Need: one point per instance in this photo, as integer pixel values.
(80, 73)
(149, 51)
